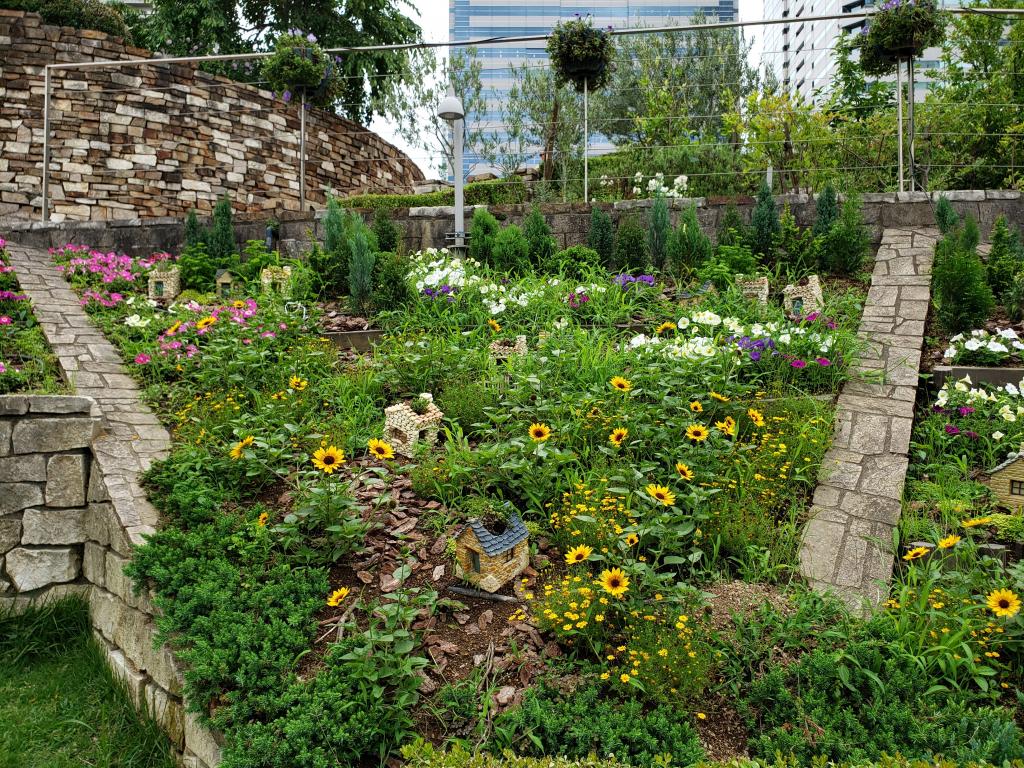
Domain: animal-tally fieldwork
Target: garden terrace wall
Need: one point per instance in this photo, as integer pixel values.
(151, 141)
(569, 222)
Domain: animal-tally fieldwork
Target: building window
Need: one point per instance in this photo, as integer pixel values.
(1017, 487)
(474, 558)
(510, 555)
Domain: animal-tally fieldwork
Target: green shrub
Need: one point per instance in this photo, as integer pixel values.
(391, 289)
(221, 238)
(826, 211)
(495, 192)
(960, 289)
(538, 234)
(422, 754)
(331, 263)
(764, 224)
(80, 14)
(511, 251)
(731, 229)
(631, 249)
(796, 249)
(360, 272)
(728, 261)
(465, 403)
(482, 231)
(303, 283)
(946, 217)
(658, 230)
(575, 262)
(256, 259)
(601, 237)
(193, 234)
(197, 268)
(1013, 299)
(1005, 259)
(386, 231)
(844, 247)
(589, 721)
(688, 246)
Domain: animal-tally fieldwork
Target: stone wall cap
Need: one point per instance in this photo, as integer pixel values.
(13, 405)
(913, 197)
(876, 197)
(1002, 194)
(961, 195)
(60, 404)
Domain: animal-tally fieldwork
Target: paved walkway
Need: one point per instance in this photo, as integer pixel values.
(847, 544)
(133, 436)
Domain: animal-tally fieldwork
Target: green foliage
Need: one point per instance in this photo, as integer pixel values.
(482, 232)
(501, 192)
(194, 234)
(589, 721)
(900, 30)
(796, 249)
(945, 216)
(728, 261)
(764, 224)
(960, 289)
(731, 229)
(386, 232)
(688, 246)
(80, 14)
(332, 262)
(255, 259)
(538, 235)
(1005, 259)
(576, 262)
(511, 250)
(197, 268)
(465, 403)
(658, 231)
(47, 628)
(421, 754)
(1013, 299)
(631, 250)
(601, 237)
(390, 288)
(581, 54)
(221, 239)
(334, 226)
(845, 245)
(299, 68)
(826, 210)
(360, 270)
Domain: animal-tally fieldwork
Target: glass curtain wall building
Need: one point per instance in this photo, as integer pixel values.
(473, 19)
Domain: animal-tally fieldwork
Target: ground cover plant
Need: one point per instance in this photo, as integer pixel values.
(660, 443)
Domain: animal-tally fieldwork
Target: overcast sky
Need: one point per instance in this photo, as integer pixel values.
(433, 19)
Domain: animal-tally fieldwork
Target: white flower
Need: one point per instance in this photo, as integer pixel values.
(561, 323)
(707, 318)
(636, 190)
(135, 321)
(949, 354)
(130, 300)
(683, 323)
(958, 337)
(732, 325)
(997, 435)
(1008, 333)
(995, 346)
(785, 338)
(1011, 390)
(638, 177)
(972, 345)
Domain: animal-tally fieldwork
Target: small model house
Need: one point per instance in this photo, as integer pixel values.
(276, 280)
(689, 298)
(1007, 482)
(503, 349)
(490, 560)
(164, 285)
(225, 283)
(803, 298)
(404, 427)
(754, 288)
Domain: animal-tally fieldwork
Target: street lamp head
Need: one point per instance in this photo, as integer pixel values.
(451, 108)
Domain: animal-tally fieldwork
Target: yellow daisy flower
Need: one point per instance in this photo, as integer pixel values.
(380, 449)
(720, 398)
(697, 432)
(261, 521)
(337, 596)
(916, 552)
(666, 326)
(617, 436)
(241, 445)
(727, 426)
(328, 459)
(494, 325)
(684, 471)
(206, 322)
(949, 541)
(661, 494)
(696, 407)
(1003, 603)
(578, 554)
(614, 582)
(539, 432)
(976, 521)
(297, 383)
(756, 416)
(621, 384)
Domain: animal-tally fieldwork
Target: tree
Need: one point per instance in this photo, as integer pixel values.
(851, 94)
(764, 224)
(601, 237)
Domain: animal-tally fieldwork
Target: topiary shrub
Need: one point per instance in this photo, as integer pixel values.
(194, 234)
(846, 243)
(796, 249)
(960, 289)
(658, 230)
(688, 247)
(601, 237)
(826, 211)
(631, 250)
(764, 224)
(221, 237)
(538, 234)
(1005, 259)
(576, 262)
(391, 290)
(731, 229)
(946, 217)
(386, 231)
(360, 271)
(511, 251)
(482, 231)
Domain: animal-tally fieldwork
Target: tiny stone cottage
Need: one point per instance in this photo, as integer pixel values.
(1007, 482)
(803, 298)
(504, 349)
(490, 560)
(404, 428)
(164, 285)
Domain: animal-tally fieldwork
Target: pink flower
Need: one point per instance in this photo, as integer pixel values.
(5, 320)
(3, 368)
(798, 364)
(823, 361)
(142, 358)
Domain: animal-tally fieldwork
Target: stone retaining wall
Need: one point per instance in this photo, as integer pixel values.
(147, 141)
(569, 222)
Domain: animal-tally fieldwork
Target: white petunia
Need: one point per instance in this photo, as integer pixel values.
(972, 345)
(135, 321)
(997, 435)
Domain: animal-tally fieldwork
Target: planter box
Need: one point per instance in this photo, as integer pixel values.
(360, 341)
(978, 374)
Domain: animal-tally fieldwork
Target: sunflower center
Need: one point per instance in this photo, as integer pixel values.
(1004, 603)
(328, 459)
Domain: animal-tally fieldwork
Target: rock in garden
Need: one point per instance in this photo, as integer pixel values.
(438, 572)
(365, 576)
(439, 545)
(505, 695)
(36, 568)
(485, 618)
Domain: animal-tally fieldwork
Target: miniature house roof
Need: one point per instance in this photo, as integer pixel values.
(514, 533)
(224, 273)
(1013, 458)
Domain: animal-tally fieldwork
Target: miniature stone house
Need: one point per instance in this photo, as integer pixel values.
(803, 298)
(695, 296)
(225, 283)
(277, 280)
(164, 285)
(754, 288)
(404, 428)
(503, 349)
(1007, 482)
(490, 560)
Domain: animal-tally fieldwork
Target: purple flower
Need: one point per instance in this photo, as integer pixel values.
(287, 96)
(798, 364)
(972, 435)
(824, 362)
(142, 358)
(5, 320)
(951, 430)
(3, 368)
(965, 410)
(755, 355)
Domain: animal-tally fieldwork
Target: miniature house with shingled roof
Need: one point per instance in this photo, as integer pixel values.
(1007, 482)
(490, 560)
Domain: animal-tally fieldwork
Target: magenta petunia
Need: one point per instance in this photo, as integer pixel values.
(5, 320)
(823, 361)
(952, 430)
(798, 364)
(142, 358)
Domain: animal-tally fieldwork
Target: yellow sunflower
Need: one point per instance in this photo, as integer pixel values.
(950, 541)
(617, 436)
(621, 384)
(241, 445)
(380, 449)
(578, 554)
(696, 407)
(297, 383)
(756, 416)
(238, 304)
(261, 521)
(666, 326)
(697, 432)
(684, 471)
(631, 539)
(206, 322)
(916, 552)
(727, 426)
(173, 329)
(976, 521)
(661, 494)
(337, 596)
(495, 326)
(1003, 603)
(720, 398)
(539, 432)
(614, 582)
(328, 459)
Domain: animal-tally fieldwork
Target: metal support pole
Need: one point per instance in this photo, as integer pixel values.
(586, 144)
(899, 122)
(46, 144)
(458, 128)
(302, 154)
(910, 121)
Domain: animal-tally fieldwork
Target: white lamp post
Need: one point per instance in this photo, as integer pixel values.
(451, 110)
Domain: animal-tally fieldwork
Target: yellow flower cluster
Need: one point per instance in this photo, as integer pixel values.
(606, 519)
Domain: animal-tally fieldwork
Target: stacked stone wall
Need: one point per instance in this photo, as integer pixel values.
(149, 141)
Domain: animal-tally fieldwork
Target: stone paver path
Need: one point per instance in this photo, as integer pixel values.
(847, 544)
(133, 437)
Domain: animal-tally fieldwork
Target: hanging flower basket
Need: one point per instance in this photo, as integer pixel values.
(900, 30)
(581, 55)
(300, 70)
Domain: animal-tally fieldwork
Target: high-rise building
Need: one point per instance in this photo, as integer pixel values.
(474, 19)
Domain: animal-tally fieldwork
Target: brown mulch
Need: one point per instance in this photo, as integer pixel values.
(722, 733)
(738, 597)
(337, 317)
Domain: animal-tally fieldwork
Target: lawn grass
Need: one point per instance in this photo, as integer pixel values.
(59, 704)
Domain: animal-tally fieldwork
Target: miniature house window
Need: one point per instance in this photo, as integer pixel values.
(225, 290)
(158, 288)
(474, 558)
(1017, 487)
(510, 555)
(798, 306)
